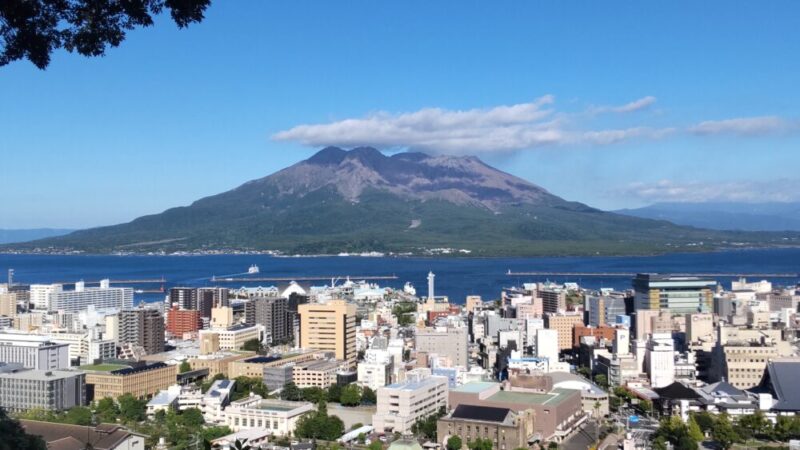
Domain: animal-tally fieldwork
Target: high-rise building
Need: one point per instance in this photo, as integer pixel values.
(184, 297)
(215, 295)
(142, 327)
(272, 313)
(603, 309)
(553, 300)
(547, 344)
(402, 405)
(661, 360)
(53, 297)
(679, 295)
(449, 342)
(563, 323)
(181, 321)
(8, 304)
(330, 326)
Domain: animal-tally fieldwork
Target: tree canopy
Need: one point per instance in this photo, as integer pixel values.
(14, 436)
(33, 29)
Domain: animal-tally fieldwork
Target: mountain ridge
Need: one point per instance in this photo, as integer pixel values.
(408, 203)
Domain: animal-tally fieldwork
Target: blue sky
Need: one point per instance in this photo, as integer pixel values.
(619, 104)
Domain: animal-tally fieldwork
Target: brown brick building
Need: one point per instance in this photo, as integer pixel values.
(180, 321)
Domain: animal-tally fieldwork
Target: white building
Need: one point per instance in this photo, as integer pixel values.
(215, 400)
(401, 405)
(547, 344)
(53, 297)
(277, 416)
(85, 350)
(376, 369)
(531, 325)
(660, 359)
(33, 352)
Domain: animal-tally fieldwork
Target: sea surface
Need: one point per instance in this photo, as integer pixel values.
(455, 277)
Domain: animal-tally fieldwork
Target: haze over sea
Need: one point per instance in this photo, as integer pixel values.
(455, 277)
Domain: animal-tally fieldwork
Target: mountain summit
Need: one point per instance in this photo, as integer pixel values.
(362, 200)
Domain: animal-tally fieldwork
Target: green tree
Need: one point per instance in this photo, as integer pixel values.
(601, 381)
(786, 428)
(33, 29)
(694, 429)
(454, 443)
(723, 432)
(79, 415)
(313, 394)
(704, 420)
(351, 395)
(131, 409)
(404, 313)
(753, 425)
(368, 396)
(253, 345)
(106, 410)
(15, 437)
(185, 367)
(334, 393)
(319, 425)
(375, 445)
(192, 417)
(480, 444)
(646, 406)
(291, 392)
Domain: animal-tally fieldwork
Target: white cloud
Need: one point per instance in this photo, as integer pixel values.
(501, 128)
(742, 126)
(778, 190)
(636, 105)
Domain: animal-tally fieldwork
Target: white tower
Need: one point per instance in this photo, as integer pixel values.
(431, 276)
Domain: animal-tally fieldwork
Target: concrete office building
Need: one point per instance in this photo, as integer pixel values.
(553, 300)
(445, 342)
(142, 327)
(279, 417)
(401, 405)
(679, 295)
(318, 373)
(8, 304)
(603, 310)
(50, 390)
(660, 360)
(33, 352)
(330, 326)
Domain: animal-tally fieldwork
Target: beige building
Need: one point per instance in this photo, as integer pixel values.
(8, 305)
(221, 317)
(253, 366)
(232, 338)
(563, 323)
(275, 416)
(330, 326)
(401, 405)
(473, 302)
(450, 343)
(219, 362)
(140, 382)
(319, 373)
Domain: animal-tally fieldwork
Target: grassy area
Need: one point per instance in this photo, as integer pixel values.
(103, 367)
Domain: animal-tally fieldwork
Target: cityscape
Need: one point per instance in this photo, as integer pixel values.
(361, 225)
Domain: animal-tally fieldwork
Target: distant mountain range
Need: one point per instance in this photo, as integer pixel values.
(24, 235)
(362, 200)
(774, 216)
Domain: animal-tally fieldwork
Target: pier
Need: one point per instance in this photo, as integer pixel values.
(631, 274)
(303, 278)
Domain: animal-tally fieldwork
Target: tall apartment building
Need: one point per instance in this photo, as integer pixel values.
(330, 326)
(272, 313)
(401, 405)
(50, 390)
(184, 297)
(8, 304)
(181, 321)
(446, 342)
(33, 352)
(660, 359)
(553, 300)
(142, 327)
(563, 323)
(679, 295)
(53, 297)
(213, 297)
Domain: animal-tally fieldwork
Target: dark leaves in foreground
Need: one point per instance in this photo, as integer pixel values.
(33, 29)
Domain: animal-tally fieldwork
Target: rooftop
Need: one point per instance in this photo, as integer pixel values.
(554, 397)
(474, 387)
(103, 367)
